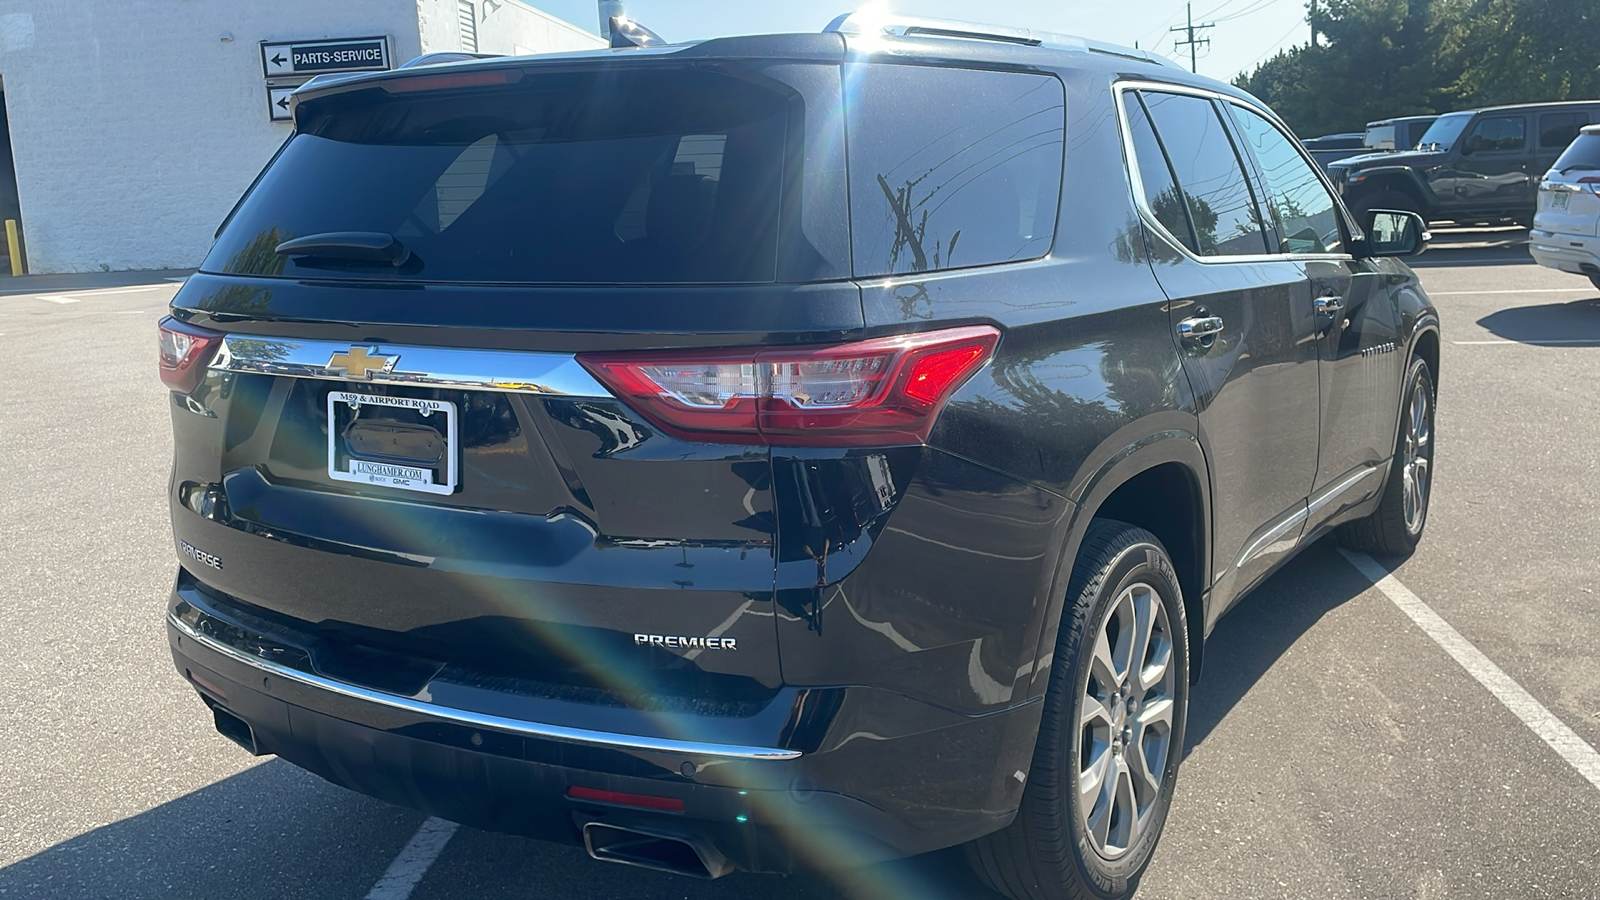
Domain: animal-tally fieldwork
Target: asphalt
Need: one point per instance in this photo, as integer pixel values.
(1335, 750)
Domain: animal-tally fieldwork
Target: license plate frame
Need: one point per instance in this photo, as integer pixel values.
(347, 467)
(1560, 200)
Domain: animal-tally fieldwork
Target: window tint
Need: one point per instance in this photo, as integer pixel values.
(1556, 130)
(1155, 176)
(1307, 216)
(1583, 155)
(1209, 175)
(674, 176)
(1499, 133)
(951, 167)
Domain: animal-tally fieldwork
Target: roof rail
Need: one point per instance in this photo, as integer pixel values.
(446, 56)
(873, 22)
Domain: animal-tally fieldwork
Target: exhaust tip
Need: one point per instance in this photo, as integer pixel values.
(661, 853)
(236, 729)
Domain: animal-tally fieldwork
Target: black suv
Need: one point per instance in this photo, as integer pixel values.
(1475, 167)
(777, 452)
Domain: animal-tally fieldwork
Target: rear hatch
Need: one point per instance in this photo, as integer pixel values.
(397, 452)
(1569, 196)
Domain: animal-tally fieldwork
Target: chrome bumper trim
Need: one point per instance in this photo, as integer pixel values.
(481, 720)
(512, 371)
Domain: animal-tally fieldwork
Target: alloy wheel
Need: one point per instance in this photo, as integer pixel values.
(1126, 724)
(1417, 464)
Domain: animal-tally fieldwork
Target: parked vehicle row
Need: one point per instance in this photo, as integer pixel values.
(1474, 167)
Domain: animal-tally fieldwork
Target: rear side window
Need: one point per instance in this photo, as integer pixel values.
(1220, 204)
(1498, 134)
(658, 176)
(1583, 155)
(1556, 130)
(1155, 177)
(951, 168)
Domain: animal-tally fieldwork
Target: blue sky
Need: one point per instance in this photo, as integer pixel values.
(1247, 32)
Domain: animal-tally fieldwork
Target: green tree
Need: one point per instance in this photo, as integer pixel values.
(1522, 51)
(1382, 58)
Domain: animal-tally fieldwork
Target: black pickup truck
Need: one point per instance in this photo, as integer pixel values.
(1475, 166)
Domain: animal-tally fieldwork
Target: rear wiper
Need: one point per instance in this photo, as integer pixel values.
(357, 246)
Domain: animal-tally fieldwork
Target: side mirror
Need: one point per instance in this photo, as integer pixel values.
(1396, 233)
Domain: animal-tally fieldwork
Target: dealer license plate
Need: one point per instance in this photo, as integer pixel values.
(1559, 200)
(404, 443)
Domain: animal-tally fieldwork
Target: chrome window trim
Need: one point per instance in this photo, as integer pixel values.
(484, 720)
(506, 371)
(1130, 164)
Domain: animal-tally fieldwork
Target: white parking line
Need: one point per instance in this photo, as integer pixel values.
(58, 298)
(1576, 342)
(1566, 742)
(402, 876)
(1522, 291)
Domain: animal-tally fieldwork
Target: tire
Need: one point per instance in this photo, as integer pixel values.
(1395, 527)
(1051, 851)
(1383, 200)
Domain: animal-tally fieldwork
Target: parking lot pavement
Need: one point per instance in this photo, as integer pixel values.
(1335, 749)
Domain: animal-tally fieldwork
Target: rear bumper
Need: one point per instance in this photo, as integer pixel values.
(766, 807)
(1575, 253)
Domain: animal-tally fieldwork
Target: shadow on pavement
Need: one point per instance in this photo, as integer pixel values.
(1266, 623)
(275, 831)
(88, 281)
(492, 866)
(270, 831)
(1576, 320)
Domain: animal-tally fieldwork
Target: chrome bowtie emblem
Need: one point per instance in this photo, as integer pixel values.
(361, 362)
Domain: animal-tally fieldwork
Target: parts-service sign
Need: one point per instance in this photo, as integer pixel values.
(313, 57)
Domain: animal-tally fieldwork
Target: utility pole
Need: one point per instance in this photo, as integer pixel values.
(1192, 42)
(1311, 17)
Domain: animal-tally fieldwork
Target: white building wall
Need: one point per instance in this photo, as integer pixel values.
(135, 126)
(507, 27)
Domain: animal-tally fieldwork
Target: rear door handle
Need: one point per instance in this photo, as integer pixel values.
(1200, 327)
(1329, 304)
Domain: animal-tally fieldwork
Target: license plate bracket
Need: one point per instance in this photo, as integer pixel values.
(408, 419)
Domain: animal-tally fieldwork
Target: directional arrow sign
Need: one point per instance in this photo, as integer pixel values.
(278, 103)
(283, 58)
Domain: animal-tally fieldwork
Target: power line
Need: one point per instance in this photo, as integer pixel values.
(1192, 42)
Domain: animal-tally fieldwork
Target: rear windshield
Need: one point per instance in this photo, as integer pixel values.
(1380, 137)
(648, 176)
(1582, 155)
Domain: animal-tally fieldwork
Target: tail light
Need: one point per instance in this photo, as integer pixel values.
(868, 393)
(185, 350)
(1592, 182)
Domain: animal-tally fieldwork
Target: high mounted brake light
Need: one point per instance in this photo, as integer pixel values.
(185, 350)
(450, 80)
(878, 392)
